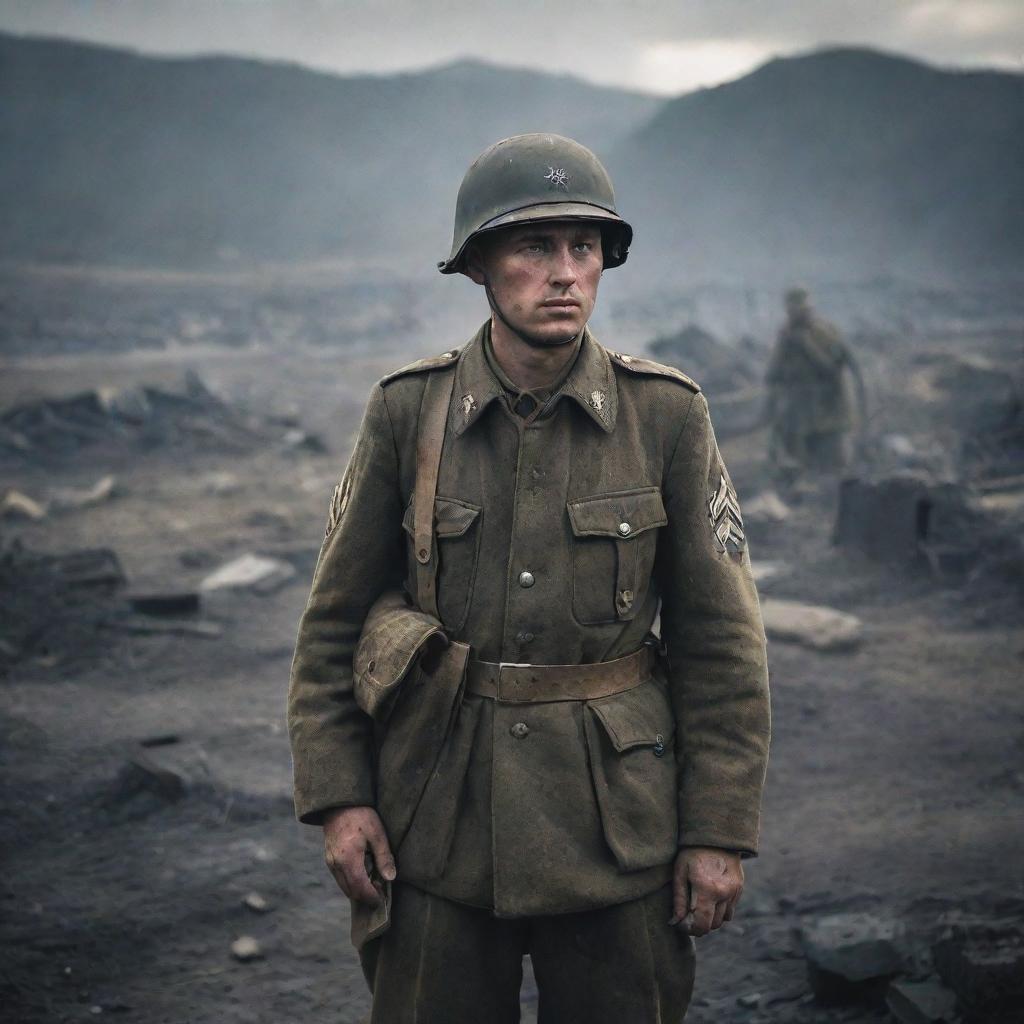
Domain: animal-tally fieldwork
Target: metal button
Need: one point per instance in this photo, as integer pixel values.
(520, 730)
(659, 745)
(526, 579)
(524, 638)
(625, 529)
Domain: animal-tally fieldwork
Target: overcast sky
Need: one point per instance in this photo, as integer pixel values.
(656, 45)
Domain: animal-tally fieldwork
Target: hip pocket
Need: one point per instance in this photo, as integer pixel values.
(631, 742)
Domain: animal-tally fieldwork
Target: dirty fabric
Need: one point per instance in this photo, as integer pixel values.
(607, 966)
(559, 539)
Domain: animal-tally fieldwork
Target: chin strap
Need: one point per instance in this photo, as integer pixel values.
(496, 309)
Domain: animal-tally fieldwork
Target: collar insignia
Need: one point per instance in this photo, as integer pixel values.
(468, 405)
(597, 400)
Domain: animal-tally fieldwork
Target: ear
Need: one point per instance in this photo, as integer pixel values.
(473, 264)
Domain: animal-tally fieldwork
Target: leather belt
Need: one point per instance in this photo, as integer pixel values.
(515, 683)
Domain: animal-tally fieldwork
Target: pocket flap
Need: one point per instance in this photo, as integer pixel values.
(452, 518)
(622, 515)
(641, 717)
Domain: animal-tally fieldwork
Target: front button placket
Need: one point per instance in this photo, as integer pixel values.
(538, 590)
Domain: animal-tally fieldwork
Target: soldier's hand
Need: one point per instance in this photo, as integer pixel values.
(354, 837)
(706, 886)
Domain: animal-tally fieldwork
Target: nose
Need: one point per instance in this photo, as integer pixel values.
(564, 270)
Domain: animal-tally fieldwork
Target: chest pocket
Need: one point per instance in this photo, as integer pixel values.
(615, 538)
(457, 530)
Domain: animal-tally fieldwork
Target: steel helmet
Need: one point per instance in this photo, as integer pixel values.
(534, 178)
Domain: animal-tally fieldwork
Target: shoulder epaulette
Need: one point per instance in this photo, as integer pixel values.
(648, 366)
(423, 365)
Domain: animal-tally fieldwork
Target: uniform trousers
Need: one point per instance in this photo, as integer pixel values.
(443, 962)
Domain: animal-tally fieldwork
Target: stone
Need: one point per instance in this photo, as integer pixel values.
(852, 957)
(68, 498)
(249, 571)
(256, 903)
(815, 626)
(140, 776)
(982, 961)
(909, 520)
(245, 949)
(179, 627)
(184, 602)
(303, 441)
(751, 1001)
(766, 507)
(220, 483)
(921, 1002)
(17, 505)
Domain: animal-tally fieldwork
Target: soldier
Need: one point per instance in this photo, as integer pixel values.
(541, 774)
(810, 404)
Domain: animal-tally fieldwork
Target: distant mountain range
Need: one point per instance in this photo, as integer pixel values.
(844, 162)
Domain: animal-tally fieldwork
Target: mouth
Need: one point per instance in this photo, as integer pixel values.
(561, 305)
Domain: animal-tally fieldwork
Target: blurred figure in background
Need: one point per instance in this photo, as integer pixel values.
(811, 405)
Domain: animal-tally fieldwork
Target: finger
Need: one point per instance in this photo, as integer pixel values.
(719, 915)
(680, 898)
(359, 885)
(382, 856)
(703, 915)
(730, 910)
(339, 877)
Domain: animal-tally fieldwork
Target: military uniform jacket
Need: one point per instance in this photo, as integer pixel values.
(559, 541)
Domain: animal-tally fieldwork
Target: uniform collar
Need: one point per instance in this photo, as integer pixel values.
(591, 383)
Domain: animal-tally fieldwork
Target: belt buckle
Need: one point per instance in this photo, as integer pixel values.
(502, 665)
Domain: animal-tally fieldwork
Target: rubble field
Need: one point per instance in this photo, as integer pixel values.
(155, 565)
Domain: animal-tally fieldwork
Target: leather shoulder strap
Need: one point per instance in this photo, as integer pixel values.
(437, 397)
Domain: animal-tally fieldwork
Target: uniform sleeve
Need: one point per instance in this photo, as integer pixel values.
(361, 556)
(712, 629)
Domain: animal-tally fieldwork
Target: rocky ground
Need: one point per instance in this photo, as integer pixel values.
(145, 788)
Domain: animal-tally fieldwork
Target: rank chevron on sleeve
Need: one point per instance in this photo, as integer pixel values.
(726, 518)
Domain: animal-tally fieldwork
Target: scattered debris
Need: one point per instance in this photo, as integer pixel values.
(982, 960)
(165, 739)
(51, 605)
(246, 949)
(251, 572)
(220, 483)
(142, 416)
(751, 1001)
(184, 627)
(715, 365)
(907, 519)
(172, 603)
(301, 441)
(142, 786)
(852, 957)
(815, 626)
(256, 903)
(765, 571)
(67, 498)
(921, 1002)
(766, 507)
(20, 506)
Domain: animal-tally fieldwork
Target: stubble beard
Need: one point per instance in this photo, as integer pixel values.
(540, 341)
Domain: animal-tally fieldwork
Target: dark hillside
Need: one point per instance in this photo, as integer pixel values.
(844, 161)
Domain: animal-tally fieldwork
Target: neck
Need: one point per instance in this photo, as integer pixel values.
(528, 366)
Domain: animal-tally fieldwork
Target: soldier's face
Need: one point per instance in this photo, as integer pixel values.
(542, 277)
